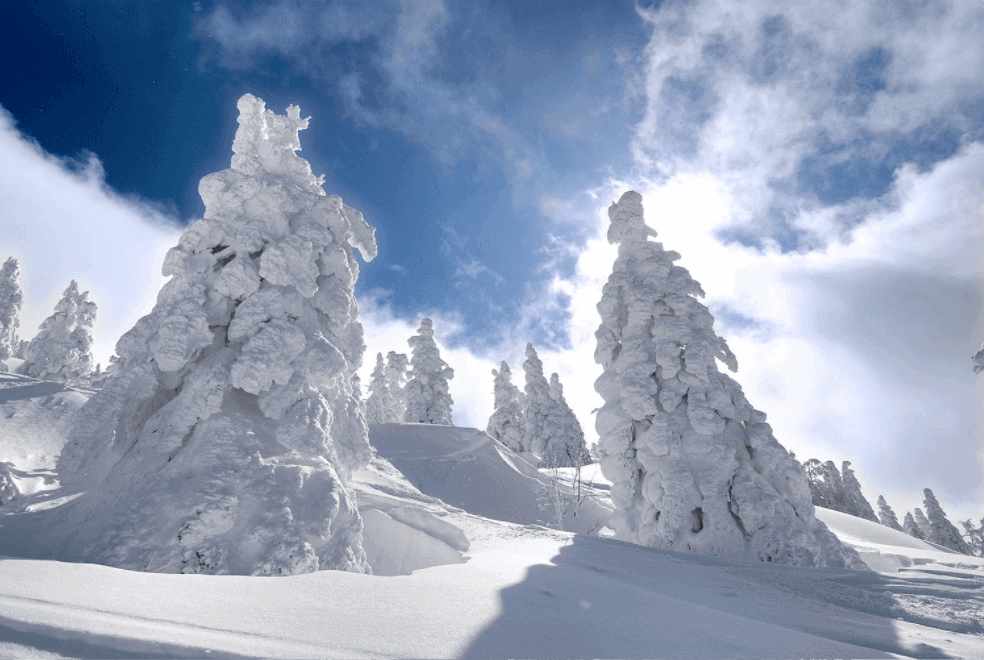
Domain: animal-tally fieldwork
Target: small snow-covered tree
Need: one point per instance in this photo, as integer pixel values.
(62, 349)
(538, 406)
(855, 500)
(506, 422)
(8, 487)
(978, 360)
(380, 404)
(942, 531)
(428, 398)
(886, 516)
(910, 527)
(397, 365)
(693, 466)
(922, 523)
(11, 302)
(567, 447)
(974, 537)
(225, 436)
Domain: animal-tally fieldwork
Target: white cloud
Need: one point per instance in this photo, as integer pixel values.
(62, 222)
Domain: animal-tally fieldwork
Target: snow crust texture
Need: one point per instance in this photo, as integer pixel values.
(62, 349)
(224, 436)
(693, 466)
(428, 398)
(11, 302)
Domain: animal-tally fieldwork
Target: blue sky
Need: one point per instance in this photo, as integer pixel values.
(819, 167)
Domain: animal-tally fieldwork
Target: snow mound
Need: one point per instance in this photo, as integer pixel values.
(467, 468)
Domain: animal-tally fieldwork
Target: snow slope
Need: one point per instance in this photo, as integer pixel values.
(451, 582)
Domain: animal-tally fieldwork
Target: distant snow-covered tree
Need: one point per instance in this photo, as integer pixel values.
(540, 413)
(886, 516)
(825, 484)
(62, 349)
(225, 436)
(693, 466)
(855, 500)
(567, 447)
(506, 422)
(910, 527)
(428, 398)
(922, 523)
(978, 361)
(397, 365)
(974, 537)
(11, 302)
(380, 407)
(942, 531)
(8, 487)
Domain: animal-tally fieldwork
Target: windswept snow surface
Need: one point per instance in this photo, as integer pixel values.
(490, 588)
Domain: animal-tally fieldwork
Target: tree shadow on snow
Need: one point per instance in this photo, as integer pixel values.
(600, 598)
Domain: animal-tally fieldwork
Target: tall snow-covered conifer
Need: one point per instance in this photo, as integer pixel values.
(62, 349)
(380, 404)
(540, 413)
(942, 531)
(910, 527)
(567, 447)
(886, 516)
(693, 466)
(825, 483)
(224, 437)
(11, 302)
(506, 422)
(428, 398)
(855, 500)
(922, 523)
(396, 382)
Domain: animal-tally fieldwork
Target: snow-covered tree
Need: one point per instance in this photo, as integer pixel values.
(910, 527)
(541, 421)
(886, 516)
(428, 398)
(693, 466)
(397, 365)
(8, 487)
(11, 302)
(974, 537)
(506, 422)
(855, 500)
(62, 349)
(225, 436)
(922, 523)
(826, 487)
(567, 447)
(380, 405)
(978, 360)
(942, 531)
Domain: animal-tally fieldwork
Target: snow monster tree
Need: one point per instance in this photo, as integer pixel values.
(223, 441)
(693, 466)
(62, 349)
(11, 301)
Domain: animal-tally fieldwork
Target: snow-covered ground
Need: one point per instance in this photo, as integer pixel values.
(464, 569)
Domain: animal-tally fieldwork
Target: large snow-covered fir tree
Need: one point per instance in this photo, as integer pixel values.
(886, 516)
(910, 527)
(693, 466)
(380, 406)
(942, 531)
(506, 422)
(428, 398)
(11, 302)
(62, 349)
(567, 447)
(855, 500)
(541, 421)
(397, 365)
(224, 438)
(922, 523)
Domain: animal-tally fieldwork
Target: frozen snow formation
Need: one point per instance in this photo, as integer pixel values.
(11, 301)
(693, 466)
(428, 399)
(397, 365)
(62, 349)
(924, 527)
(886, 516)
(837, 490)
(978, 360)
(544, 432)
(225, 435)
(852, 493)
(910, 527)
(942, 531)
(380, 406)
(506, 422)
(8, 486)
(567, 447)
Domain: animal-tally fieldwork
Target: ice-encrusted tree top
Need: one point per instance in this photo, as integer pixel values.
(11, 302)
(693, 466)
(978, 360)
(567, 446)
(886, 516)
(941, 530)
(541, 417)
(380, 404)
(910, 527)
(852, 493)
(506, 422)
(922, 523)
(223, 438)
(62, 349)
(428, 398)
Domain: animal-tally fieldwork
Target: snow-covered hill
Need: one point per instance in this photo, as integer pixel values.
(463, 569)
